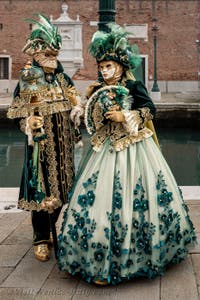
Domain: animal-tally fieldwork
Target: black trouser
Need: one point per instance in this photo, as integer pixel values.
(41, 222)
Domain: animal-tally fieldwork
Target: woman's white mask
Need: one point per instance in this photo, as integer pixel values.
(111, 71)
(107, 69)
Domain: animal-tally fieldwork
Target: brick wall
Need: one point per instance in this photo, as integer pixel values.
(178, 21)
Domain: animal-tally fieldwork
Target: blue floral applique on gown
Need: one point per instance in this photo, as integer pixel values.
(113, 232)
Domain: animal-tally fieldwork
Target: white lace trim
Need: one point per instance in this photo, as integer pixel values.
(132, 121)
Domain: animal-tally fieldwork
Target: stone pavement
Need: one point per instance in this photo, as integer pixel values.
(23, 277)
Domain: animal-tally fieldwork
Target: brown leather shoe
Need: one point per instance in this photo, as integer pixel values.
(42, 252)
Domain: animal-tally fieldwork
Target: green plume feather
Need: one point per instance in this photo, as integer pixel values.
(46, 31)
(114, 45)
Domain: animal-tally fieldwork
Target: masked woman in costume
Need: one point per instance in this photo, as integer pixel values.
(126, 216)
(45, 102)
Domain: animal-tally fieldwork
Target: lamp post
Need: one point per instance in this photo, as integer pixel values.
(198, 51)
(155, 91)
(106, 14)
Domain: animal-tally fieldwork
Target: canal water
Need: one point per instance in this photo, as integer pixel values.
(180, 146)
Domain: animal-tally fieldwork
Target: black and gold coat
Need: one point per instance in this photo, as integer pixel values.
(48, 169)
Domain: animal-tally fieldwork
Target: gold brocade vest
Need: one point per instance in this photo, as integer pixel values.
(46, 101)
(118, 135)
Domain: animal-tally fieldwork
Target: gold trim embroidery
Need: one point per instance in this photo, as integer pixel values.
(129, 140)
(70, 92)
(68, 150)
(65, 143)
(20, 109)
(27, 95)
(119, 137)
(22, 124)
(97, 116)
(32, 205)
(145, 114)
(51, 157)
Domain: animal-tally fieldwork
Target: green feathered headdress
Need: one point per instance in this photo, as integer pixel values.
(43, 35)
(114, 45)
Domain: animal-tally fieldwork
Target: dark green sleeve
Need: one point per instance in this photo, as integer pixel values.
(141, 98)
(68, 79)
(16, 91)
(16, 94)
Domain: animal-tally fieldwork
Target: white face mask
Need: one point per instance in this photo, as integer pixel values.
(107, 69)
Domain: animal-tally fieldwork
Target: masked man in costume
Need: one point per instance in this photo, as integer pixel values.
(46, 107)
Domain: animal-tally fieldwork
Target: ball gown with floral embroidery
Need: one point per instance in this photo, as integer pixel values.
(126, 217)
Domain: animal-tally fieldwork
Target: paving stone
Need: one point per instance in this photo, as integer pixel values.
(91, 291)
(57, 288)
(194, 207)
(139, 289)
(4, 272)
(9, 194)
(179, 283)
(56, 273)
(191, 193)
(196, 267)
(81, 291)
(196, 249)
(194, 212)
(23, 234)
(27, 221)
(9, 222)
(9, 207)
(196, 223)
(30, 273)
(17, 294)
(193, 201)
(10, 255)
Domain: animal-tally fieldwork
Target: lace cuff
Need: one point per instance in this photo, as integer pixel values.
(22, 125)
(145, 114)
(132, 121)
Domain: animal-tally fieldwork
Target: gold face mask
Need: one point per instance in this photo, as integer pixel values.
(47, 59)
(111, 71)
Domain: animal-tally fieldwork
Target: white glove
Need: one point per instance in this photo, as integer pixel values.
(77, 112)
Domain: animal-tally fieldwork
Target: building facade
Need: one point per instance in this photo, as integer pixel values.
(178, 49)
